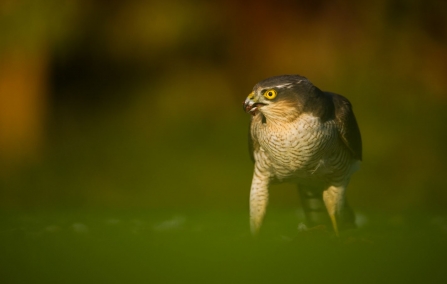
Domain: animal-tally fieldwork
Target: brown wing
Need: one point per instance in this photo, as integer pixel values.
(347, 125)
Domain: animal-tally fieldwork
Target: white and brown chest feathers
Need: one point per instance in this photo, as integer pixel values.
(302, 148)
(300, 132)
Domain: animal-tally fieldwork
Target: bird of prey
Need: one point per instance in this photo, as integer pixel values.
(303, 135)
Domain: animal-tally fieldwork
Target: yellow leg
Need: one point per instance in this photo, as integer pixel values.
(333, 198)
(334, 224)
(259, 196)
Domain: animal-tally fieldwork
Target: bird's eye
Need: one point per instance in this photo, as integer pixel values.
(270, 94)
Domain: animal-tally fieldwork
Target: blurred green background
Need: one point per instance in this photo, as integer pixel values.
(133, 108)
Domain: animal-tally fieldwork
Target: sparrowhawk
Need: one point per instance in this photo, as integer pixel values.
(301, 134)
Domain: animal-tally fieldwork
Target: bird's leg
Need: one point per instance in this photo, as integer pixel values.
(258, 199)
(333, 198)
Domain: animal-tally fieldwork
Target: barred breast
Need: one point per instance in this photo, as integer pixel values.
(304, 148)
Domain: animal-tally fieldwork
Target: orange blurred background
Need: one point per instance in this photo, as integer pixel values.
(137, 103)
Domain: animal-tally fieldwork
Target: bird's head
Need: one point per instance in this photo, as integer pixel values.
(279, 97)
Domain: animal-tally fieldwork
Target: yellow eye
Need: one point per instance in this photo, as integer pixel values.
(270, 94)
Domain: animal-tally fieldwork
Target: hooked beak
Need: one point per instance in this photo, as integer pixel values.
(250, 106)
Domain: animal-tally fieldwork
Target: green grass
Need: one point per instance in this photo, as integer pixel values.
(159, 246)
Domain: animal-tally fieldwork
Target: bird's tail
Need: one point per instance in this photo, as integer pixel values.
(316, 212)
(313, 206)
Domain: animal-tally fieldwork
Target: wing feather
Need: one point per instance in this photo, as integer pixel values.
(347, 125)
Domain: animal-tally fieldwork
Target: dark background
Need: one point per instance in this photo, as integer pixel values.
(135, 106)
